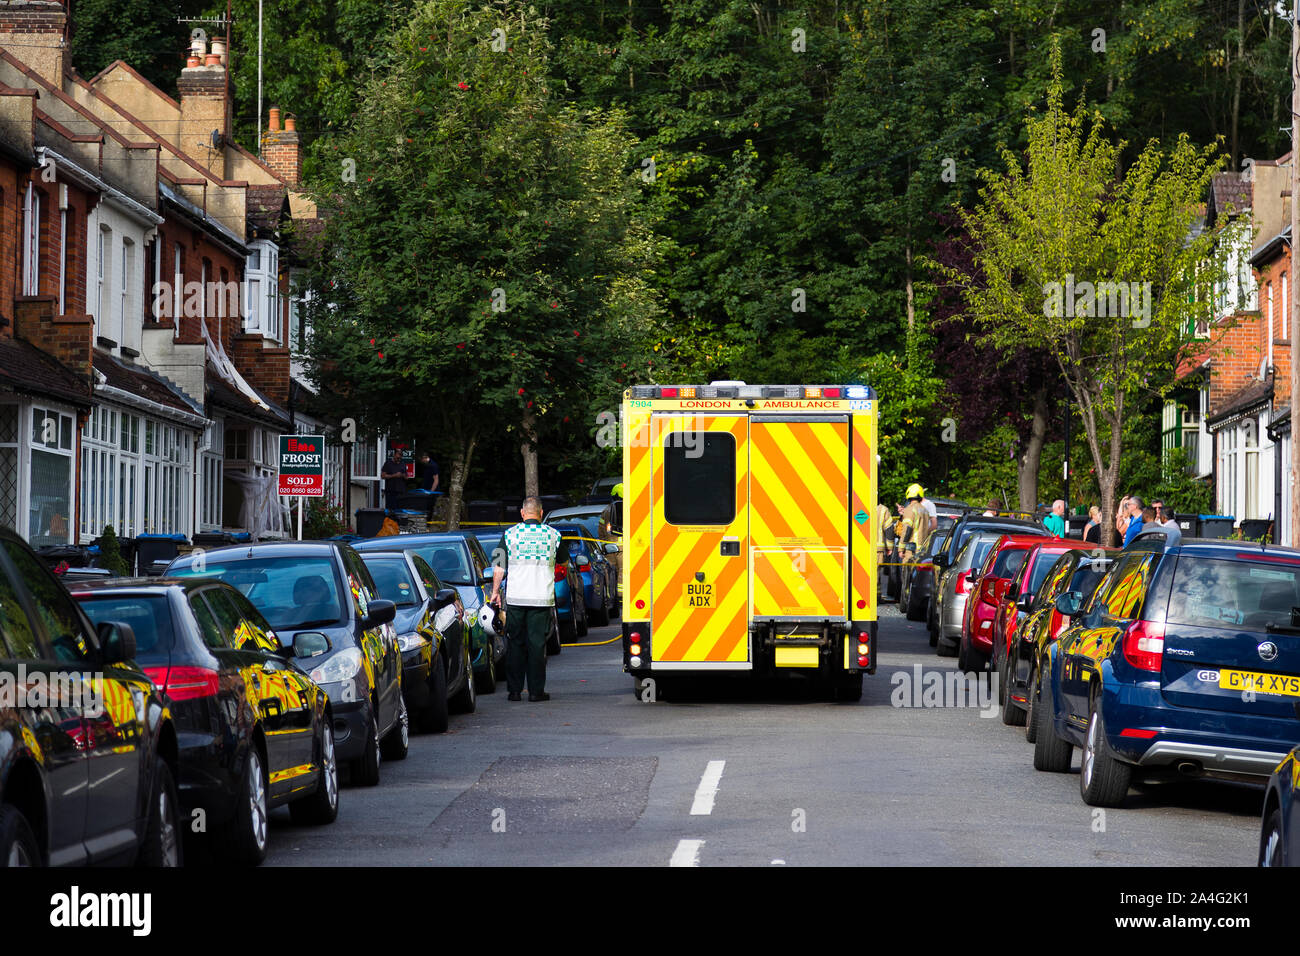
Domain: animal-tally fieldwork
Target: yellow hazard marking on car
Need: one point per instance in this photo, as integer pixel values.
(1277, 685)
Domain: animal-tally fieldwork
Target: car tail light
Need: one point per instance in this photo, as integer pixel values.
(960, 587)
(584, 567)
(184, 682)
(1144, 645)
(560, 572)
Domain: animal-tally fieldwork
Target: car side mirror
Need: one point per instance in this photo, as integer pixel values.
(444, 597)
(310, 644)
(381, 612)
(940, 560)
(486, 576)
(611, 548)
(116, 642)
(1068, 604)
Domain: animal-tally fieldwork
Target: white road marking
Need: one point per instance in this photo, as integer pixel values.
(687, 853)
(708, 788)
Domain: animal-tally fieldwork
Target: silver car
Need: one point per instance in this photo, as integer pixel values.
(951, 603)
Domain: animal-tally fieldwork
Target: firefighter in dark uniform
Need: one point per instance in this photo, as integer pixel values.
(530, 550)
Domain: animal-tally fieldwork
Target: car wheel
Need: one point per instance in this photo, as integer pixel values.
(433, 719)
(969, 659)
(365, 769)
(485, 682)
(1270, 840)
(1103, 779)
(1012, 715)
(323, 805)
(934, 637)
(568, 629)
(397, 742)
(848, 689)
(1051, 753)
(465, 701)
(18, 846)
(600, 616)
(915, 610)
(553, 645)
(244, 840)
(1031, 695)
(162, 836)
(944, 648)
(580, 615)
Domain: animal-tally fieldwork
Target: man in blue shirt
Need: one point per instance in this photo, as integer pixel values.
(1134, 520)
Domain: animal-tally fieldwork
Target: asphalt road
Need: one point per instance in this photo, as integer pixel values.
(753, 776)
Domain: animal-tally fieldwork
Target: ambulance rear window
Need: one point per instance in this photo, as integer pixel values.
(700, 478)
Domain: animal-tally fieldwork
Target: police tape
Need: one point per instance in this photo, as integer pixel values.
(612, 640)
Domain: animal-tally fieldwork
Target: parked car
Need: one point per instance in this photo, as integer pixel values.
(254, 731)
(919, 583)
(1018, 596)
(1075, 570)
(92, 781)
(1280, 826)
(460, 562)
(598, 575)
(954, 588)
(431, 634)
(964, 527)
(322, 589)
(1186, 660)
(1001, 564)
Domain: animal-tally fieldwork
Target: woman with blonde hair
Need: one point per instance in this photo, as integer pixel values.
(1092, 530)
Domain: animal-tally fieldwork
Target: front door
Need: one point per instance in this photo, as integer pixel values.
(699, 499)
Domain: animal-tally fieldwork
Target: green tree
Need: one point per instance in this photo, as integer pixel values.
(489, 268)
(1094, 264)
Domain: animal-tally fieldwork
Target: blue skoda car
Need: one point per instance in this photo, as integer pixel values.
(1186, 661)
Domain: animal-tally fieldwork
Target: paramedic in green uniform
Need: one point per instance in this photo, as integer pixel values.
(530, 550)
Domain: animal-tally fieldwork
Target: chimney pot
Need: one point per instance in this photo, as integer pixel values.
(290, 124)
(275, 119)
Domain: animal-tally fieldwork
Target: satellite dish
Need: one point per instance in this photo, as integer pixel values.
(217, 139)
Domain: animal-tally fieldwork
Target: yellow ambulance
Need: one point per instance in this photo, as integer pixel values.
(749, 533)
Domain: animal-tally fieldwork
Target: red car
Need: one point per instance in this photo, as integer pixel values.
(1025, 583)
(1002, 563)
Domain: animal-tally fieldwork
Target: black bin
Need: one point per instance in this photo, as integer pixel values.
(484, 510)
(370, 521)
(551, 502)
(510, 504)
(417, 501)
(154, 552)
(1217, 526)
(52, 554)
(1253, 529)
(213, 539)
(1074, 525)
(1188, 524)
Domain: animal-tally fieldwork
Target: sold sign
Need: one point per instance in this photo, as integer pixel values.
(302, 465)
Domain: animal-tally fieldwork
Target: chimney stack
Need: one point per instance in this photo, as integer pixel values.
(35, 31)
(282, 149)
(206, 104)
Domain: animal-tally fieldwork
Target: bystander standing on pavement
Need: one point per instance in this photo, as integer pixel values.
(1055, 522)
(530, 551)
(1164, 516)
(1092, 530)
(427, 473)
(394, 477)
(1134, 526)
